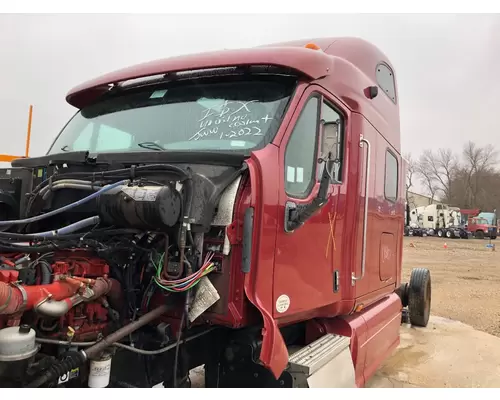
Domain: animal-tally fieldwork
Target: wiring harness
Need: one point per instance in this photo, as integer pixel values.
(186, 283)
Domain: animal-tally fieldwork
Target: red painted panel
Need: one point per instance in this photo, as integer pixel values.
(383, 322)
(383, 216)
(374, 334)
(305, 260)
(387, 256)
(352, 326)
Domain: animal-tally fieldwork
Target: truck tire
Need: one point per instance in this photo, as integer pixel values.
(440, 233)
(479, 235)
(493, 237)
(419, 297)
(449, 234)
(402, 292)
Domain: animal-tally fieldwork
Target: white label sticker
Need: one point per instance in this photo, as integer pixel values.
(283, 303)
(290, 174)
(206, 296)
(142, 194)
(300, 174)
(238, 143)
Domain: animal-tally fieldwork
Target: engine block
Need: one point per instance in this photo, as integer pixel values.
(79, 282)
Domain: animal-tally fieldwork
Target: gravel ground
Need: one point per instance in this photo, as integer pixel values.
(465, 278)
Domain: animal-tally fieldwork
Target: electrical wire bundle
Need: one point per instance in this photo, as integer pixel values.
(184, 284)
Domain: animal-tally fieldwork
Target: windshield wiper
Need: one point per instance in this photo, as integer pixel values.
(151, 146)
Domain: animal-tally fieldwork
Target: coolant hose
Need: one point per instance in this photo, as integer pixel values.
(78, 358)
(69, 184)
(70, 228)
(45, 271)
(15, 298)
(66, 207)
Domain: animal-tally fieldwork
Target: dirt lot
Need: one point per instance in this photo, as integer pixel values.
(465, 278)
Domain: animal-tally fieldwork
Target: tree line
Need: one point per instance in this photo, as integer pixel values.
(469, 179)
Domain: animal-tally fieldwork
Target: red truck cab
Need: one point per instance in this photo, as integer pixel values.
(481, 224)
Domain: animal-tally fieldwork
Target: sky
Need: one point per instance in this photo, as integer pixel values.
(447, 65)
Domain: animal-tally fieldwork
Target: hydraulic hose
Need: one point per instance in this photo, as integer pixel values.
(66, 207)
(78, 358)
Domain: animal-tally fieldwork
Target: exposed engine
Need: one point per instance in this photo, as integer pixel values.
(91, 261)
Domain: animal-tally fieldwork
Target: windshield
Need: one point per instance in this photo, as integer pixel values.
(487, 218)
(230, 115)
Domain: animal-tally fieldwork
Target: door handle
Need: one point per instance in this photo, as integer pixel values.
(365, 211)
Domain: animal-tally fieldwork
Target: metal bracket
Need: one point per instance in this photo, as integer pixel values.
(18, 286)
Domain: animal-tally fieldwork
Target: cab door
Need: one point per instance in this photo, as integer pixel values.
(307, 260)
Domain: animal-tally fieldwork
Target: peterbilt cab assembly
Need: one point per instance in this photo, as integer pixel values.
(241, 210)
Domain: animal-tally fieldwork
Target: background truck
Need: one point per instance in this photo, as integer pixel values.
(481, 224)
(411, 225)
(241, 210)
(438, 219)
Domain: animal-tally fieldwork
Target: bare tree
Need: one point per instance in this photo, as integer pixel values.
(410, 173)
(478, 164)
(437, 171)
(469, 181)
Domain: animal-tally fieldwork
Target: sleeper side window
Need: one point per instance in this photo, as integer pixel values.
(301, 152)
(391, 176)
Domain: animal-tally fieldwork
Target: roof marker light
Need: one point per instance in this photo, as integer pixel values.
(312, 46)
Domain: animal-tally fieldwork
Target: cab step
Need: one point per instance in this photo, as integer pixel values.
(325, 363)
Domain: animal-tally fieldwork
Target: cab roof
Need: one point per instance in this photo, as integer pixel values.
(313, 64)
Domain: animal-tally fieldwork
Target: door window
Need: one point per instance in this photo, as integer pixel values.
(301, 152)
(302, 169)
